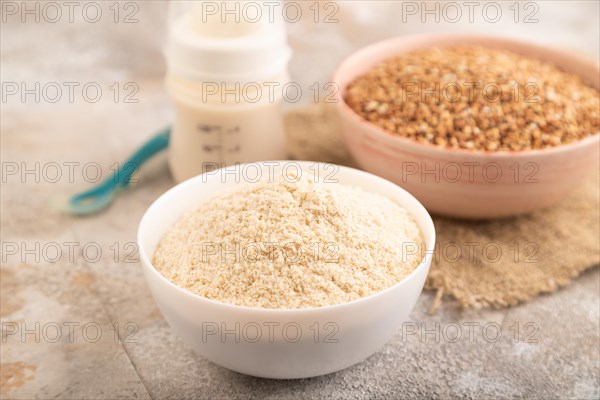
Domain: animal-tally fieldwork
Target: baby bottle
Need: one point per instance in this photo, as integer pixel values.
(226, 71)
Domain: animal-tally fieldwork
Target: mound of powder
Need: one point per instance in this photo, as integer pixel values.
(292, 243)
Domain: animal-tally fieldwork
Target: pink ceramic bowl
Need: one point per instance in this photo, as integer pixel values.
(467, 183)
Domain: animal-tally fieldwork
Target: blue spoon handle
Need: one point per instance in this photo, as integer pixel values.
(155, 145)
(100, 196)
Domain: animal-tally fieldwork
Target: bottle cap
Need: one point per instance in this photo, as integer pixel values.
(238, 41)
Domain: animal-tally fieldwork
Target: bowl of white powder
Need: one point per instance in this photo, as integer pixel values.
(286, 269)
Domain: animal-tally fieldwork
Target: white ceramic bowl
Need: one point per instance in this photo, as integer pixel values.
(280, 343)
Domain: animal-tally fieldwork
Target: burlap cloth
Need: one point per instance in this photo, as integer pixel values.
(496, 263)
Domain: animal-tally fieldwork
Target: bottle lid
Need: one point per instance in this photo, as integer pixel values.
(234, 41)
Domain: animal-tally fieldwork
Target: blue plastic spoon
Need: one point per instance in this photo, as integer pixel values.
(100, 197)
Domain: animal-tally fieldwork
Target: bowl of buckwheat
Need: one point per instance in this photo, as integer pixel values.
(474, 126)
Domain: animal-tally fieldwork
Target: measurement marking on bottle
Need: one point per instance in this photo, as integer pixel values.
(235, 149)
(209, 129)
(210, 148)
(217, 146)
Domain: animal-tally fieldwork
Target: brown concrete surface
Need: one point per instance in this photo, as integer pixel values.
(99, 333)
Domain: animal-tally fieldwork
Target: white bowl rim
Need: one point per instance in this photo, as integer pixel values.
(476, 153)
(146, 263)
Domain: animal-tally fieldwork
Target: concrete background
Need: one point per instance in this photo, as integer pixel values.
(548, 348)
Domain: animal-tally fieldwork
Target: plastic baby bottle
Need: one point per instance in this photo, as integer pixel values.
(227, 67)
